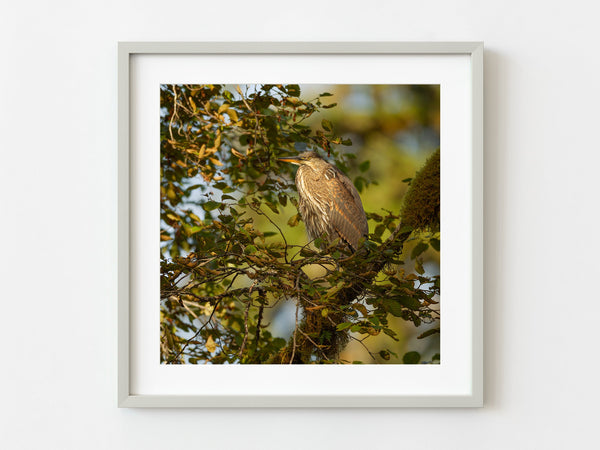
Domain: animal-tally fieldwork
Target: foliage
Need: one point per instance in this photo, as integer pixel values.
(222, 270)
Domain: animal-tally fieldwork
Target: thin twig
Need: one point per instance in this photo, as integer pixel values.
(220, 298)
(208, 299)
(174, 111)
(257, 127)
(259, 211)
(295, 331)
(364, 345)
(297, 309)
(245, 329)
(170, 361)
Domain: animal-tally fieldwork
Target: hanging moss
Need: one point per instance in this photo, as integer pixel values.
(421, 208)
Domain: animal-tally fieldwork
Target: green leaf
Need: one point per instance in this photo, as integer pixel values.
(343, 326)
(409, 302)
(411, 358)
(272, 206)
(364, 166)
(253, 172)
(405, 229)
(428, 333)
(228, 95)
(419, 267)
(250, 249)
(192, 230)
(435, 243)
(210, 205)
(359, 183)
(420, 248)
(327, 125)
(379, 229)
(391, 333)
(374, 320)
(334, 289)
(293, 90)
(393, 307)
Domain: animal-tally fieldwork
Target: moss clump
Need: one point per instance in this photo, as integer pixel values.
(421, 208)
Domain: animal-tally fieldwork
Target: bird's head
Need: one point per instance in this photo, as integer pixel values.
(310, 159)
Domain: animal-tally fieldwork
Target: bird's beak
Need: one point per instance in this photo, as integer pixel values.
(290, 159)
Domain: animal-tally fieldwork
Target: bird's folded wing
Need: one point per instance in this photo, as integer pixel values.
(347, 214)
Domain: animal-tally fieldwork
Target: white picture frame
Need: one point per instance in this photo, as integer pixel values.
(467, 390)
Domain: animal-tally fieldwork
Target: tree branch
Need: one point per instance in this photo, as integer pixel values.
(347, 294)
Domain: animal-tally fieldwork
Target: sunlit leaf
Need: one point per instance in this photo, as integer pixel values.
(293, 221)
(211, 345)
(343, 326)
(232, 114)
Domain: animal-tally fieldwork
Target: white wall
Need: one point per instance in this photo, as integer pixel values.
(58, 122)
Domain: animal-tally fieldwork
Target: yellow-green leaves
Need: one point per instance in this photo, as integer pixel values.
(293, 221)
(211, 345)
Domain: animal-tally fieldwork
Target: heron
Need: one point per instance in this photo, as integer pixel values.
(329, 203)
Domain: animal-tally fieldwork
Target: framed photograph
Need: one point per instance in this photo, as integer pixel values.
(300, 224)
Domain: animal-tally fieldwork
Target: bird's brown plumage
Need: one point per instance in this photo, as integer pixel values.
(328, 201)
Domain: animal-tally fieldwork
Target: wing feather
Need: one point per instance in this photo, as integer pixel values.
(347, 214)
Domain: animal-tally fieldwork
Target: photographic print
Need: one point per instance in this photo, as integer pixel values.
(300, 224)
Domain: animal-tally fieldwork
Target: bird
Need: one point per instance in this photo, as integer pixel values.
(329, 203)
